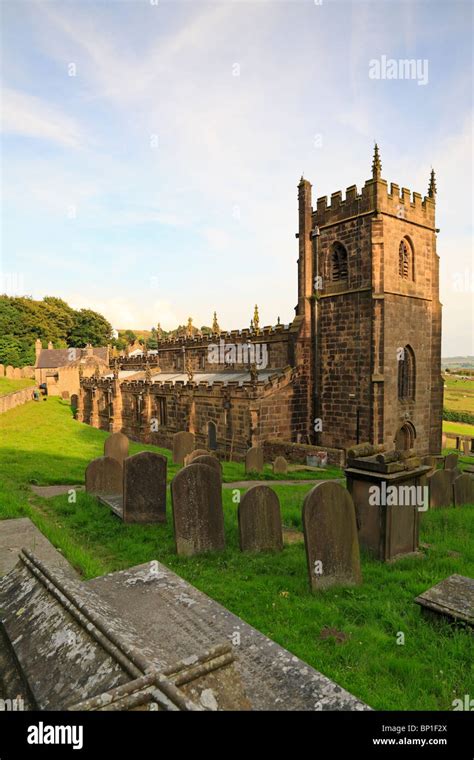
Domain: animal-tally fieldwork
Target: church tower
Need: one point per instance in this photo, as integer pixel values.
(376, 320)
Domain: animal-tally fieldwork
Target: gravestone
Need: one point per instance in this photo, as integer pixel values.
(430, 462)
(452, 598)
(210, 461)
(463, 490)
(104, 476)
(2, 370)
(9, 371)
(260, 521)
(330, 537)
(198, 518)
(74, 401)
(466, 444)
(196, 453)
(116, 446)
(254, 460)
(280, 465)
(17, 373)
(441, 489)
(65, 395)
(144, 487)
(183, 444)
(450, 461)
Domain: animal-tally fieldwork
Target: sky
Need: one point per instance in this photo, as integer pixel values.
(151, 149)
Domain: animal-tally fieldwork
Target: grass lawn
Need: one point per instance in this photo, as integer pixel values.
(459, 428)
(8, 385)
(458, 394)
(41, 443)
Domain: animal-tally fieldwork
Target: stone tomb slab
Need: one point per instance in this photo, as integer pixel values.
(452, 598)
(172, 619)
(260, 521)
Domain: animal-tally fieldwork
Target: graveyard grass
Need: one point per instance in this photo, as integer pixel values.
(9, 385)
(41, 443)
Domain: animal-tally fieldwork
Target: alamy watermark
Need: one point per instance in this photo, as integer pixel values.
(399, 496)
(238, 353)
(401, 68)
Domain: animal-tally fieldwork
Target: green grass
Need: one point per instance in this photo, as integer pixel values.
(8, 385)
(459, 428)
(458, 394)
(41, 442)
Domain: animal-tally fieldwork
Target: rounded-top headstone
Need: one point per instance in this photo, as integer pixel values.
(330, 537)
(210, 461)
(183, 444)
(280, 465)
(440, 484)
(260, 520)
(9, 371)
(116, 446)
(2, 370)
(104, 476)
(196, 453)
(254, 459)
(463, 488)
(198, 518)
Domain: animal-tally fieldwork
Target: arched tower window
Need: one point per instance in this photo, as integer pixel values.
(405, 260)
(338, 262)
(406, 374)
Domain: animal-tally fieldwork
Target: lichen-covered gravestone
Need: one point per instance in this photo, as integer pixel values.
(254, 460)
(452, 598)
(280, 465)
(116, 446)
(440, 484)
(210, 461)
(260, 521)
(144, 488)
(183, 444)
(104, 476)
(189, 459)
(330, 537)
(198, 519)
(463, 490)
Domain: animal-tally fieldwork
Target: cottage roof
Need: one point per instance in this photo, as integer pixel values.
(60, 357)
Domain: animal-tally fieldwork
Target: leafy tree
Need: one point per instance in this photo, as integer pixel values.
(90, 327)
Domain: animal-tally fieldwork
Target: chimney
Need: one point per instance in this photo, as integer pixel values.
(38, 349)
(50, 345)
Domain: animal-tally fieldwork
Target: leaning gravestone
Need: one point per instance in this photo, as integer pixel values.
(116, 446)
(198, 518)
(183, 444)
(441, 489)
(104, 476)
(144, 488)
(450, 461)
(260, 521)
(196, 453)
(463, 490)
(254, 460)
(210, 461)
(330, 537)
(280, 465)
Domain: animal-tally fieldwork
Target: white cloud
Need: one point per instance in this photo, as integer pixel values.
(27, 115)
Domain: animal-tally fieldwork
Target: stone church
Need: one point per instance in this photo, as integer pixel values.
(360, 360)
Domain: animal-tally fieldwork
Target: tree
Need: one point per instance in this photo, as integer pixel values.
(90, 327)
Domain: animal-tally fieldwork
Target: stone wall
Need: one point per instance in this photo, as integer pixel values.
(11, 400)
(297, 452)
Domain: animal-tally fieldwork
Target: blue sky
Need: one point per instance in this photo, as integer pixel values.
(160, 181)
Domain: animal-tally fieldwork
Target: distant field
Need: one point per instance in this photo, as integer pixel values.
(458, 394)
(459, 428)
(7, 385)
